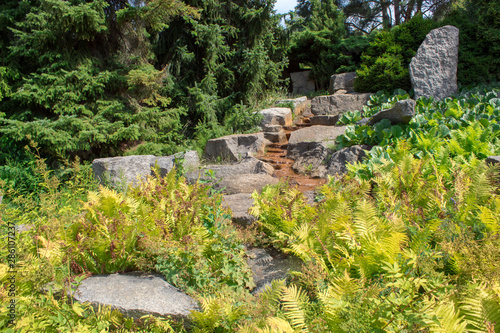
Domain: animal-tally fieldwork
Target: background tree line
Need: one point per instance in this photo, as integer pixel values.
(111, 77)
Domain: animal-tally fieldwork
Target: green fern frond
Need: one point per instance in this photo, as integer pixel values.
(294, 300)
(481, 310)
(272, 292)
(446, 320)
(278, 325)
(366, 220)
(489, 219)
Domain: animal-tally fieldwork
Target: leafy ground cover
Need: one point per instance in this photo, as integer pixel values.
(408, 241)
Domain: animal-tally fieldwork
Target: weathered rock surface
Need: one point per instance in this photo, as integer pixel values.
(245, 183)
(124, 170)
(433, 70)
(343, 81)
(324, 120)
(248, 165)
(136, 295)
(189, 159)
(276, 137)
(338, 104)
(276, 116)
(337, 164)
(315, 133)
(235, 147)
(310, 157)
(401, 112)
(493, 160)
(239, 204)
(268, 265)
(272, 128)
(299, 104)
(301, 82)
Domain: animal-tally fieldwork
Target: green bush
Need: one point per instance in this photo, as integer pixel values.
(384, 64)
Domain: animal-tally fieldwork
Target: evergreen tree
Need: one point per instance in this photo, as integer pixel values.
(78, 78)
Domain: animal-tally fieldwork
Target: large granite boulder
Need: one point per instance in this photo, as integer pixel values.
(245, 183)
(122, 171)
(337, 164)
(248, 165)
(299, 103)
(338, 104)
(268, 265)
(343, 81)
(301, 82)
(315, 133)
(324, 120)
(400, 113)
(276, 116)
(235, 147)
(239, 204)
(310, 157)
(495, 160)
(135, 295)
(433, 70)
(188, 160)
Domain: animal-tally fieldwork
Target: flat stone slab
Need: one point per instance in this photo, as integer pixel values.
(235, 147)
(239, 204)
(135, 295)
(276, 116)
(338, 104)
(299, 104)
(248, 165)
(276, 137)
(124, 170)
(245, 183)
(190, 161)
(268, 265)
(324, 120)
(400, 113)
(316, 133)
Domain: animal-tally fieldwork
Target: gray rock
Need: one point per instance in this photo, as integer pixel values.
(190, 161)
(299, 104)
(235, 147)
(338, 104)
(310, 156)
(400, 113)
(276, 137)
(245, 183)
(337, 164)
(363, 121)
(324, 120)
(239, 204)
(276, 116)
(495, 160)
(136, 295)
(433, 70)
(343, 81)
(315, 133)
(248, 165)
(272, 128)
(268, 265)
(301, 82)
(122, 171)
(341, 92)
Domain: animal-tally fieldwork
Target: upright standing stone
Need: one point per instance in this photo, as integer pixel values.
(433, 70)
(301, 82)
(343, 81)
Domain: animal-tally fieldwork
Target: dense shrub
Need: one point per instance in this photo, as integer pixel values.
(478, 60)
(384, 65)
